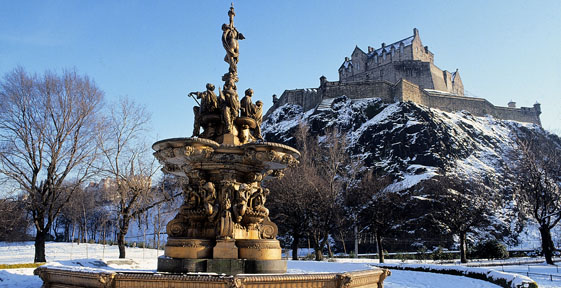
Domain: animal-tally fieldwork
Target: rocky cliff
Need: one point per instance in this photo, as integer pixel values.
(413, 143)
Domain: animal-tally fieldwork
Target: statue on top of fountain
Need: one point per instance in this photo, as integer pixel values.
(224, 119)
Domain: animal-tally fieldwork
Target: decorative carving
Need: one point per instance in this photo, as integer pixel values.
(241, 199)
(208, 105)
(268, 229)
(247, 108)
(177, 227)
(345, 280)
(258, 116)
(225, 225)
(190, 243)
(230, 37)
(257, 201)
(209, 201)
(230, 104)
(219, 116)
(236, 282)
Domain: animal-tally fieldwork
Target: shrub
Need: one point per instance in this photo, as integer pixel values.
(422, 253)
(439, 254)
(491, 249)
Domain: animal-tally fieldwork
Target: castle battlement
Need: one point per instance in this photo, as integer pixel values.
(403, 71)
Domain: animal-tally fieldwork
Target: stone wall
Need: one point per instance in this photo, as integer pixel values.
(482, 107)
(356, 90)
(405, 90)
(307, 98)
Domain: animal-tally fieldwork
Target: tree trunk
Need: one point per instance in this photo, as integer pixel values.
(319, 254)
(356, 241)
(121, 244)
(40, 239)
(343, 242)
(295, 241)
(318, 246)
(380, 248)
(547, 244)
(463, 247)
(329, 250)
(123, 229)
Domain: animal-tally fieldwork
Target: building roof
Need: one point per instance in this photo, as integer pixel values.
(405, 42)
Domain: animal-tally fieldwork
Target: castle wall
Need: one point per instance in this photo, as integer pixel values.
(307, 98)
(420, 52)
(407, 91)
(458, 87)
(437, 79)
(414, 71)
(481, 107)
(357, 90)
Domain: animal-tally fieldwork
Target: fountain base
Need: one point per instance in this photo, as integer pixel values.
(60, 278)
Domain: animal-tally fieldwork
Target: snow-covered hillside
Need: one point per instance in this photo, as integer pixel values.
(413, 143)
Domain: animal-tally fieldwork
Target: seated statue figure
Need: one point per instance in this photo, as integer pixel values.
(208, 105)
(247, 108)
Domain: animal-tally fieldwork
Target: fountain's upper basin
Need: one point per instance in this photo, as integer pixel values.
(179, 156)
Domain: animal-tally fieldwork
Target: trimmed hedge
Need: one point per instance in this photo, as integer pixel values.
(495, 277)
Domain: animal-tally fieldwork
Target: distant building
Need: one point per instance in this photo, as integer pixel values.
(402, 71)
(405, 59)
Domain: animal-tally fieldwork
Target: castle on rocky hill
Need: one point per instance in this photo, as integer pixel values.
(402, 71)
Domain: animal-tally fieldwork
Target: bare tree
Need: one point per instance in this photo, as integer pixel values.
(129, 163)
(13, 220)
(369, 206)
(288, 201)
(47, 140)
(538, 185)
(330, 162)
(460, 205)
(290, 198)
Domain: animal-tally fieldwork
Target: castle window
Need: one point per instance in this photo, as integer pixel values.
(384, 55)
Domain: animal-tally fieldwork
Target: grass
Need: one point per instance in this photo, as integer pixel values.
(24, 265)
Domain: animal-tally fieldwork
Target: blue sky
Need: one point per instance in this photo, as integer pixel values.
(157, 51)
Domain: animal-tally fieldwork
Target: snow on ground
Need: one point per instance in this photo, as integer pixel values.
(398, 279)
(547, 276)
(413, 279)
(23, 252)
(21, 278)
(87, 257)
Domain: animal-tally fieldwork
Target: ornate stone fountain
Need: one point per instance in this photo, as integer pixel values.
(223, 225)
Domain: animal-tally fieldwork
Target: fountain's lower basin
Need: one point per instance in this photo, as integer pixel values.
(61, 278)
